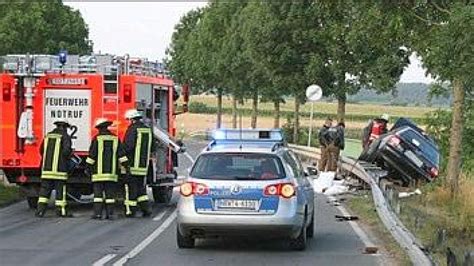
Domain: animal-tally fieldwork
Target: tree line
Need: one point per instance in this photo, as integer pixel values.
(265, 51)
(42, 27)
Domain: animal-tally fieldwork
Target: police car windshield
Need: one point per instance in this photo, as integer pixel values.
(238, 166)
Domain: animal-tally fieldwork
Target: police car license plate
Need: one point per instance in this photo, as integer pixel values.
(413, 158)
(236, 204)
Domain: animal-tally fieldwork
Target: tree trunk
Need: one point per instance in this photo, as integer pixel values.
(455, 142)
(276, 121)
(253, 123)
(234, 112)
(341, 108)
(297, 120)
(219, 108)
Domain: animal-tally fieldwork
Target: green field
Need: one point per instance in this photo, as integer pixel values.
(329, 108)
(353, 148)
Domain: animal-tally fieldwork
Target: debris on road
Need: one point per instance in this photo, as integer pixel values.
(408, 194)
(371, 250)
(341, 218)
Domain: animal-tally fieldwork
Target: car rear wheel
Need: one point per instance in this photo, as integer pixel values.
(183, 241)
(310, 230)
(299, 243)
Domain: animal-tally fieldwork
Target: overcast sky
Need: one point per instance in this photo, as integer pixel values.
(144, 29)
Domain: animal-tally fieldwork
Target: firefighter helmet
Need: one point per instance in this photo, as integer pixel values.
(62, 122)
(102, 122)
(385, 117)
(132, 114)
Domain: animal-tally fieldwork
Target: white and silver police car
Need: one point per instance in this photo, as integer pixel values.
(246, 182)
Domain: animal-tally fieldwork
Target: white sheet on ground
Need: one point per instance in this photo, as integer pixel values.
(325, 184)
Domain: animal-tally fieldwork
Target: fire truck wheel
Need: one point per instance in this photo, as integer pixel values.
(162, 194)
(32, 202)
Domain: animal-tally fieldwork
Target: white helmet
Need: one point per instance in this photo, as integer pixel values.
(102, 122)
(132, 114)
(385, 117)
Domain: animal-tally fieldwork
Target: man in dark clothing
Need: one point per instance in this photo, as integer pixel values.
(105, 154)
(139, 143)
(323, 143)
(374, 130)
(336, 145)
(56, 150)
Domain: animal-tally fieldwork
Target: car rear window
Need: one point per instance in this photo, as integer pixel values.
(422, 144)
(238, 166)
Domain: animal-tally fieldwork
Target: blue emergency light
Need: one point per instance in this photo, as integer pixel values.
(62, 57)
(271, 135)
(272, 138)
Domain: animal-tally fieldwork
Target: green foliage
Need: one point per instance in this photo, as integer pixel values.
(42, 27)
(8, 194)
(439, 126)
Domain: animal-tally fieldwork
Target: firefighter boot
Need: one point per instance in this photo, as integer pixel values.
(109, 211)
(97, 210)
(145, 207)
(41, 209)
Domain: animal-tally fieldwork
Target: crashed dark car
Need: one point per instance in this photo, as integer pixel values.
(406, 151)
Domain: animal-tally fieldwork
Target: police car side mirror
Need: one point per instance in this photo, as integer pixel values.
(311, 170)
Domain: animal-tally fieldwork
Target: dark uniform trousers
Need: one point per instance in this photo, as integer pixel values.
(47, 186)
(104, 195)
(136, 195)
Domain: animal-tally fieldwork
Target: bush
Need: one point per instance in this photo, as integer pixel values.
(439, 126)
(199, 108)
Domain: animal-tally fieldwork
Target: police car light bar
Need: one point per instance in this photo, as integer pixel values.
(271, 135)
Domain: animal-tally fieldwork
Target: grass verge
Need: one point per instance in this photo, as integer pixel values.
(440, 221)
(8, 195)
(364, 208)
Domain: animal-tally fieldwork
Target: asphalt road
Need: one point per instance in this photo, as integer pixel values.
(26, 240)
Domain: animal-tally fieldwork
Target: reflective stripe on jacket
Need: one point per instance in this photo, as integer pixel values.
(104, 154)
(53, 163)
(139, 143)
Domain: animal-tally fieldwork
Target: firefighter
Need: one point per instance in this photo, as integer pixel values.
(374, 130)
(139, 143)
(323, 143)
(56, 151)
(105, 154)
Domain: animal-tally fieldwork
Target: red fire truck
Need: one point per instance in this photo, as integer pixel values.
(36, 90)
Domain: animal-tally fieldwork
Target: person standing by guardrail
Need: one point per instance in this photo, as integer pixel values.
(374, 129)
(339, 143)
(323, 144)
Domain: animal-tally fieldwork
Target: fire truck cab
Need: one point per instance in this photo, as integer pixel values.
(36, 90)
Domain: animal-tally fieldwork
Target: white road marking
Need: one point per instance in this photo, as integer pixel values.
(355, 226)
(147, 241)
(159, 216)
(104, 260)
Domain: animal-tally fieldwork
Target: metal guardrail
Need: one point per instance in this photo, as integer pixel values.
(390, 220)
